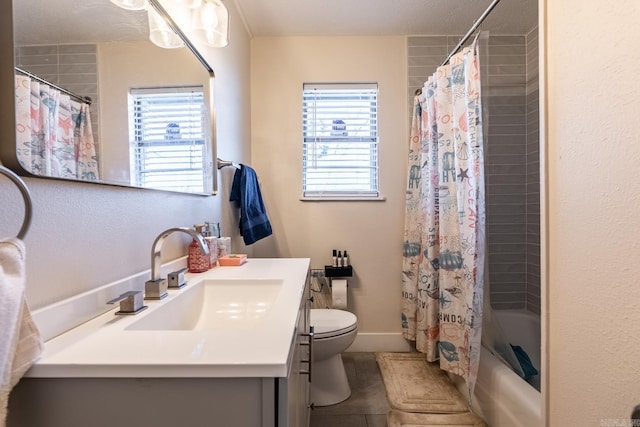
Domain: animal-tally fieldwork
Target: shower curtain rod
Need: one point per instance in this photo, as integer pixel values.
(473, 28)
(80, 98)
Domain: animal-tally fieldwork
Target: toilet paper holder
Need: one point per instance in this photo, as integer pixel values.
(331, 271)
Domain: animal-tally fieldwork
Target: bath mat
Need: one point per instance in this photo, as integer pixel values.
(397, 418)
(415, 385)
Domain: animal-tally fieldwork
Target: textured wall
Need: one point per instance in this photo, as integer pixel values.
(592, 112)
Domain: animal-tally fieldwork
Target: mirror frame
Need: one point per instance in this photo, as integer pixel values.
(8, 155)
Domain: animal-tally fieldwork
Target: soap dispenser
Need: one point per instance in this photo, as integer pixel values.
(197, 262)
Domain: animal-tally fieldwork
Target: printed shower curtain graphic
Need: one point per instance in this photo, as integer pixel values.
(53, 132)
(443, 260)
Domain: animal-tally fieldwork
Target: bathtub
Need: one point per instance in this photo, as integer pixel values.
(502, 397)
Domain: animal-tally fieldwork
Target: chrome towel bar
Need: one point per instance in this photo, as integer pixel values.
(225, 163)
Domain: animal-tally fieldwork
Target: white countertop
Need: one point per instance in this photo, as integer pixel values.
(103, 347)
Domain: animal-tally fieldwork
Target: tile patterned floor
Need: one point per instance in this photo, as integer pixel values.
(367, 406)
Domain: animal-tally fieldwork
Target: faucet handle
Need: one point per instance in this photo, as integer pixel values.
(130, 302)
(155, 289)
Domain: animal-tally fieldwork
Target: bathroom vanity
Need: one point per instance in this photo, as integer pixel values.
(229, 349)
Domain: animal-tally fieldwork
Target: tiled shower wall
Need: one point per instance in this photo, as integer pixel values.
(533, 175)
(72, 67)
(508, 160)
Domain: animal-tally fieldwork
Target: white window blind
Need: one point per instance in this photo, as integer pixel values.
(168, 138)
(340, 140)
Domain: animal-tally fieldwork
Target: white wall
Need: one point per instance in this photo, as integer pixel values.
(370, 231)
(593, 294)
(87, 235)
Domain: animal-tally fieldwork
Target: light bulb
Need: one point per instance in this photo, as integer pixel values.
(160, 33)
(213, 20)
(208, 16)
(189, 4)
(131, 4)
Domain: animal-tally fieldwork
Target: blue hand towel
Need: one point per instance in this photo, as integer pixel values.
(527, 367)
(254, 223)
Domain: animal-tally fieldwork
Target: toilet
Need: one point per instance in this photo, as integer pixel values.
(334, 331)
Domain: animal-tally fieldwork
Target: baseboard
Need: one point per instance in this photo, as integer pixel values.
(370, 342)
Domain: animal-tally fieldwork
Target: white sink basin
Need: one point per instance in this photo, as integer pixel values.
(214, 305)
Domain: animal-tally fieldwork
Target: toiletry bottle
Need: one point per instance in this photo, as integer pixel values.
(197, 262)
(224, 246)
(335, 258)
(212, 243)
(345, 259)
(339, 258)
(214, 229)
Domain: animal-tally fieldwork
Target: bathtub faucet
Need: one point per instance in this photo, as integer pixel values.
(156, 288)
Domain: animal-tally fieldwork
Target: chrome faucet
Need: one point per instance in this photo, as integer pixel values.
(156, 288)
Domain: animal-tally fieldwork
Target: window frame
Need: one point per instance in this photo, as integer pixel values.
(369, 115)
(200, 183)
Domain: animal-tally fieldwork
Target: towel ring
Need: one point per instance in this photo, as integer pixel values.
(28, 207)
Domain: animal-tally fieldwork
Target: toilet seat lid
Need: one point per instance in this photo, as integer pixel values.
(331, 322)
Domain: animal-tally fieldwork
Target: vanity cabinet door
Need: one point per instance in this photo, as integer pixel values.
(293, 399)
(305, 336)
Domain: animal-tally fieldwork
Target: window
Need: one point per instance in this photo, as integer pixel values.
(340, 140)
(168, 138)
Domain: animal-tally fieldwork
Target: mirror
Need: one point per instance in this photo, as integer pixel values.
(149, 122)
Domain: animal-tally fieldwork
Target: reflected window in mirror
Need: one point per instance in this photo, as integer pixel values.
(167, 138)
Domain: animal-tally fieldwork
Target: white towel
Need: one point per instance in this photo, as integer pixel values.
(20, 342)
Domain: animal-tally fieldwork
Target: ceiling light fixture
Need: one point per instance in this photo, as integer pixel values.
(211, 19)
(131, 4)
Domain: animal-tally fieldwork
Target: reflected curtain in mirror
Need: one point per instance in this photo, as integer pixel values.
(53, 131)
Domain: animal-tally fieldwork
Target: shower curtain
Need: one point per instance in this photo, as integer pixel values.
(444, 246)
(54, 136)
